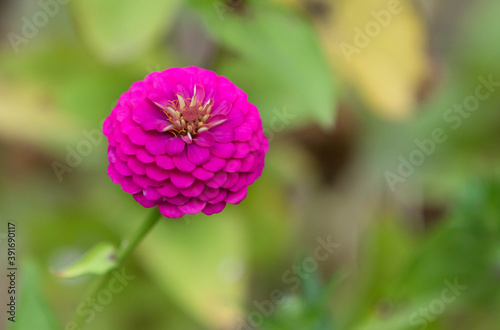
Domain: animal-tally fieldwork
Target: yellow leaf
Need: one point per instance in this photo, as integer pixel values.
(378, 47)
(28, 116)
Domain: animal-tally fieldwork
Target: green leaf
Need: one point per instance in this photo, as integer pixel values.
(32, 311)
(99, 260)
(200, 264)
(279, 65)
(121, 30)
(478, 47)
(75, 84)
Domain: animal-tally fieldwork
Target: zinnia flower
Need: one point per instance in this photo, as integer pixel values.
(185, 140)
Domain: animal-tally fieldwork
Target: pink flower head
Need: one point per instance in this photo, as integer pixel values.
(186, 140)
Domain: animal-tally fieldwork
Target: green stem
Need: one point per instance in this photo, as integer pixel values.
(139, 235)
(81, 320)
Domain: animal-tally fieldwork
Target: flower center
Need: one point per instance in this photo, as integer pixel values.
(187, 116)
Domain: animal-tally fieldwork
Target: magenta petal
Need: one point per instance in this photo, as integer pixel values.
(226, 90)
(214, 164)
(218, 180)
(113, 174)
(157, 97)
(123, 168)
(156, 173)
(232, 166)
(151, 194)
(236, 197)
(187, 138)
(175, 146)
(251, 177)
(254, 143)
(193, 206)
(232, 178)
(223, 150)
(243, 132)
(168, 189)
(245, 107)
(181, 179)
(214, 208)
(242, 182)
(128, 126)
(200, 93)
(247, 163)
(209, 193)
(128, 147)
(178, 200)
(120, 136)
(136, 166)
(260, 167)
(184, 88)
(144, 156)
(223, 133)
(235, 118)
(198, 155)
(182, 162)
(139, 198)
(160, 127)
(112, 154)
(265, 145)
(242, 149)
(217, 119)
(137, 136)
(138, 89)
(112, 141)
(170, 211)
(165, 162)
(224, 107)
(206, 78)
(220, 197)
(129, 186)
(156, 145)
(194, 190)
(205, 139)
(121, 112)
(122, 155)
(148, 115)
(144, 181)
(254, 119)
(162, 84)
(202, 174)
(107, 127)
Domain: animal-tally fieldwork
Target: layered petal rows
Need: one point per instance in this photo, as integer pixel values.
(185, 140)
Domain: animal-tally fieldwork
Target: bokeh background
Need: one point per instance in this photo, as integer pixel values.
(344, 89)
